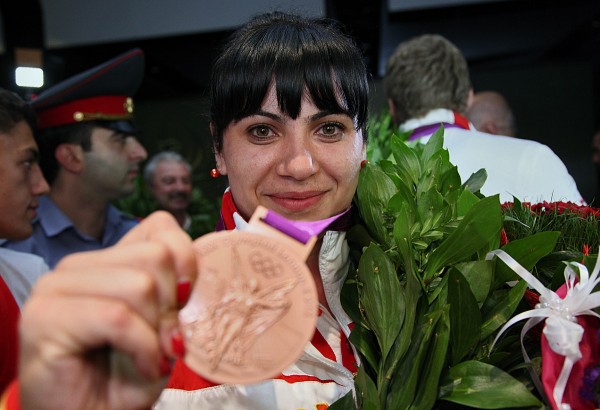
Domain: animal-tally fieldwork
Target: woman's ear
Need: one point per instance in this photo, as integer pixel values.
(70, 157)
(220, 162)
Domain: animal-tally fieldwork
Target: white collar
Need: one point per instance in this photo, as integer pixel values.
(432, 117)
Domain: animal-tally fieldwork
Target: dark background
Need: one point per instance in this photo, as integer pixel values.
(542, 55)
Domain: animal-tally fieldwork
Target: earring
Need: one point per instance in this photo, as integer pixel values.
(215, 173)
(363, 163)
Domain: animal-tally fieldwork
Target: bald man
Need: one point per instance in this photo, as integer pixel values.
(489, 112)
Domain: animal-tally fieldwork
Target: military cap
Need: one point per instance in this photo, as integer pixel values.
(102, 93)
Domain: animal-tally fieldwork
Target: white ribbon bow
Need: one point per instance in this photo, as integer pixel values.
(561, 329)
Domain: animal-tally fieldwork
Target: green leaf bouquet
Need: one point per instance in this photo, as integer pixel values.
(425, 302)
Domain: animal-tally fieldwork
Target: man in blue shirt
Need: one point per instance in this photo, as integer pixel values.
(90, 157)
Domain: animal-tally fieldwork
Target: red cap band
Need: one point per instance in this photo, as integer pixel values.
(109, 107)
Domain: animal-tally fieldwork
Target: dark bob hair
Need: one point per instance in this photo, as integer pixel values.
(298, 54)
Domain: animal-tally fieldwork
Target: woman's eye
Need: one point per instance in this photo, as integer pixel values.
(261, 131)
(329, 129)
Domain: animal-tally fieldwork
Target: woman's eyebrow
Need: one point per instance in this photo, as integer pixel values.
(268, 114)
(314, 117)
(322, 114)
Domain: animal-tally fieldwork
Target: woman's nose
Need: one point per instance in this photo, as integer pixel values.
(299, 162)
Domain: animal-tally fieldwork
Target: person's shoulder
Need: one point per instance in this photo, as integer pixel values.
(129, 218)
(26, 245)
(50, 218)
(517, 143)
(114, 213)
(126, 221)
(6, 253)
(19, 259)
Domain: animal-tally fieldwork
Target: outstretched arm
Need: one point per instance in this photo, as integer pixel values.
(97, 332)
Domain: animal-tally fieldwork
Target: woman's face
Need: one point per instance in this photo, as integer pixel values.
(304, 169)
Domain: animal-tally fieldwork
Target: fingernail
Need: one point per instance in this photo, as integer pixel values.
(184, 288)
(164, 366)
(177, 344)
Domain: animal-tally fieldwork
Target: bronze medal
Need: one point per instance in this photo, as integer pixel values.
(253, 308)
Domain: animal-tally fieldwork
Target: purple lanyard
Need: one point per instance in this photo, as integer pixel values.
(426, 130)
(302, 231)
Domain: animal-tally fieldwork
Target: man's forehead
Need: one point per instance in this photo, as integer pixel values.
(20, 131)
(18, 145)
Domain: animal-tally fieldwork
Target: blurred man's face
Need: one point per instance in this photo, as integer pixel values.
(21, 182)
(172, 186)
(112, 164)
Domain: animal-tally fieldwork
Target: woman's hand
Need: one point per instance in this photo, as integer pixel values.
(97, 332)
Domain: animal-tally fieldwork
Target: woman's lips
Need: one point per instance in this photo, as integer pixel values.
(297, 201)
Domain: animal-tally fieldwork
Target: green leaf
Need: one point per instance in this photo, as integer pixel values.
(381, 296)
(399, 352)
(434, 144)
(476, 180)
(407, 161)
(527, 251)
(482, 222)
(438, 288)
(503, 310)
(465, 318)
(479, 275)
(483, 386)
(400, 199)
(450, 181)
(346, 402)
(366, 391)
(404, 384)
(349, 299)
(374, 191)
(465, 201)
(402, 235)
(391, 170)
(365, 342)
(430, 179)
(427, 389)
(439, 133)
(358, 236)
(429, 204)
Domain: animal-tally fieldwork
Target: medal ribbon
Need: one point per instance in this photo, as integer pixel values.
(425, 130)
(299, 230)
(302, 231)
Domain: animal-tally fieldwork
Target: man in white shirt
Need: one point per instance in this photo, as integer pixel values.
(427, 84)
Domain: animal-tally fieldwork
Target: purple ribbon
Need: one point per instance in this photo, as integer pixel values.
(302, 231)
(426, 130)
